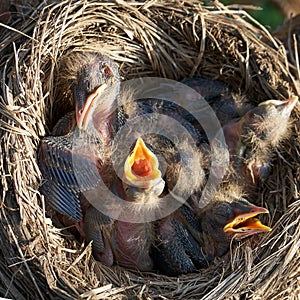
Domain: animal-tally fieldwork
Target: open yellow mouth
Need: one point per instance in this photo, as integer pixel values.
(141, 166)
(246, 224)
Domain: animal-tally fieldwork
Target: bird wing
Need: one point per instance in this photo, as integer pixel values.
(67, 171)
(175, 111)
(179, 248)
(98, 228)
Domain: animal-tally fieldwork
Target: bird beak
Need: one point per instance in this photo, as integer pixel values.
(285, 106)
(84, 114)
(141, 166)
(245, 223)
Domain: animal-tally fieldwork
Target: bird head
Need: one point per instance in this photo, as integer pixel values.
(231, 215)
(260, 130)
(224, 220)
(142, 177)
(96, 75)
(267, 124)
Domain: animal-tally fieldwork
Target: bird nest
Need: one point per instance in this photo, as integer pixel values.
(165, 38)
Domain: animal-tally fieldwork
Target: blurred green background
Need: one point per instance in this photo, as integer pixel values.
(270, 15)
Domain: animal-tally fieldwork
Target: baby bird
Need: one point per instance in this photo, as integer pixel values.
(251, 133)
(94, 82)
(65, 160)
(252, 138)
(197, 236)
(146, 184)
(128, 243)
(229, 216)
(176, 250)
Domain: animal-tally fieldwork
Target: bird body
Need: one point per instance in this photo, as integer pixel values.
(128, 242)
(132, 244)
(63, 183)
(66, 160)
(118, 242)
(177, 249)
(251, 133)
(220, 97)
(191, 238)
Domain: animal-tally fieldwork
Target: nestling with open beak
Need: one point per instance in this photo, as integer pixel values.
(144, 183)
(197, 236)
(229, 216)
(180, 148)
(129, 242)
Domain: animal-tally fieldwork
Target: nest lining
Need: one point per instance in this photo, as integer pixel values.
(152, 38)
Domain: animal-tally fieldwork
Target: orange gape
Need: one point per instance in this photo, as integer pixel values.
(141, 167)
(141, 164)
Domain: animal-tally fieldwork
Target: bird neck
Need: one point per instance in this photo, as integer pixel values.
(215, 241)
(106, 121)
